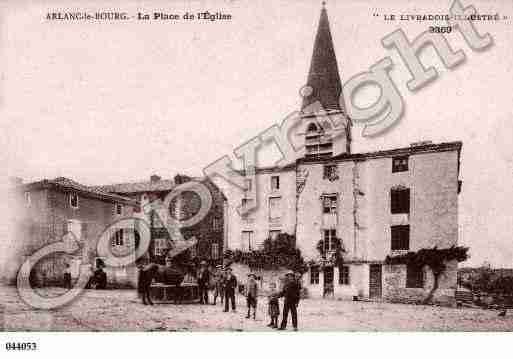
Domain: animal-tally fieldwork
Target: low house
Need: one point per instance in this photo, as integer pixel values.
(49, 209)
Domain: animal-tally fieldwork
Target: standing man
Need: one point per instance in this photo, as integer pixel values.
(219, 280)
(291, 292)
(203, 282)
(229, 289)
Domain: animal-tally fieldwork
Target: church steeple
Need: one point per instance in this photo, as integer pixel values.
(327, 128)
(323, 77)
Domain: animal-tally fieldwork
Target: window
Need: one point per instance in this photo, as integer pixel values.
(400, 237)
(275, 183)
(193, 251)
(330, 172)
(314, 275)
(317, 144)
(274, 234)
(343, 275)
(160, 246)
(215, 250)
(329, 239)
(414, 276)
(400, 164)
(275, 208)
(319, 150)
(248, 184)
(73, 200)
(216, 225)
(329, 204)
(119, 209)
(312, 128)
(118, 239)
(247, 203)
(400, 200)
(28, 200)
(247, 238)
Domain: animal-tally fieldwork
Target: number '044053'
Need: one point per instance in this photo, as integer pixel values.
(11, 346)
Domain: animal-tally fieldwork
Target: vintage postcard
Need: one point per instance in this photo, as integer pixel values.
(255, 166)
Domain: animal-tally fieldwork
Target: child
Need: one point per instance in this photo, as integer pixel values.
(252, 294)
(273, 306)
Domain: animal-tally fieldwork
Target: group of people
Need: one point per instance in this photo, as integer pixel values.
(221, 280)
(97, 278)
(224, 285)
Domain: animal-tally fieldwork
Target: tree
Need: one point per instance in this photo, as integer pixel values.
(434, 258)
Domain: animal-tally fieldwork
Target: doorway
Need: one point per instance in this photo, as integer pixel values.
(375, 276)
(328, 282)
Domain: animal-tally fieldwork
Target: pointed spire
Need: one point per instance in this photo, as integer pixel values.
(323, 77)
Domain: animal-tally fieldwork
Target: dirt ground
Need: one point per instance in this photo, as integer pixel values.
(120, 310)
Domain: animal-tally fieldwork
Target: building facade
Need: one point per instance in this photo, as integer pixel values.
(48, 210)
(375, 204)
(210, 231)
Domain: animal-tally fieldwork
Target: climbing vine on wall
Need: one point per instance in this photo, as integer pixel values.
(335, 254)
(434, 258)
(274, 254)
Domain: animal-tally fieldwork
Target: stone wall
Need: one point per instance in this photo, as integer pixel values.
(394, 285)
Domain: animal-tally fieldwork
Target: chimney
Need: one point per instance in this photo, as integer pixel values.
(179, 179)
(154, 178)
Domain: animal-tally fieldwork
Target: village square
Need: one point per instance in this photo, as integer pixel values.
(331, 239)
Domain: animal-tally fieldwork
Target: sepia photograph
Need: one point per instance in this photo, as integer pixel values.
(252, 166)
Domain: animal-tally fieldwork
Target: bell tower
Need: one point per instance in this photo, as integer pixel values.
(327, 128)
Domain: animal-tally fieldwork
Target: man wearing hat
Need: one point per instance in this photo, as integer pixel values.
(203, 281)
(229, 289)
(219, 279)
(291, 291)
(251, 294)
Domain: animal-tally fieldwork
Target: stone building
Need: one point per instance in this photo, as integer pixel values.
(377, 204)
(47, 210)
(209, 231)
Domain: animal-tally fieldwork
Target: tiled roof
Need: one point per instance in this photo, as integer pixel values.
(161, 185)
(69, 184)
(425, 148)
(136, 187)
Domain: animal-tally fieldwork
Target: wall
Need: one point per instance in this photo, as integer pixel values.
(309, 215)
(364, 217)
(186, 207)
(48, 219)
(433, 182)
(258, 220)
(394, 285)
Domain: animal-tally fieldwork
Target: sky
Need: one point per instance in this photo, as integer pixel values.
(107, 102)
